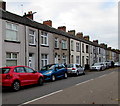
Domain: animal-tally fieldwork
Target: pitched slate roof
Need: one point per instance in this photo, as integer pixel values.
(28, 22)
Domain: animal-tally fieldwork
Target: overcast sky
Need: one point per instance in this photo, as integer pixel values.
(96, 18)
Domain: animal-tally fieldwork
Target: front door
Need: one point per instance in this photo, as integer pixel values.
(31, 61)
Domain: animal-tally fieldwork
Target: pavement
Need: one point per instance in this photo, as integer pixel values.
(101, 90)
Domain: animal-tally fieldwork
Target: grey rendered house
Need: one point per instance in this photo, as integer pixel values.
(26, 42)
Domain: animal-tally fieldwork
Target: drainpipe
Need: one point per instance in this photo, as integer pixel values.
(38, 50)
(25, 47)
(69, 49)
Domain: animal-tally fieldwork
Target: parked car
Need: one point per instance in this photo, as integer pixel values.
(75, 69)
(54, 71)
(105, 64)
(98, 66)
(117, 64)
(17, 76)
(108, 64)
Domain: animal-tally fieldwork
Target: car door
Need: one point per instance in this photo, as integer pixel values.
(20, 74)
(78, 68)
(58, 71)
(81, 69)
(32, 75)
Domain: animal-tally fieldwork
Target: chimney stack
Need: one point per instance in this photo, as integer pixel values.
(109, 48)
(86, 38)
(29, 15)
(3, 5)
(48, 22)
(79, 35)
(63, 28)
(103, 45)
(72, 32)
(95, 41)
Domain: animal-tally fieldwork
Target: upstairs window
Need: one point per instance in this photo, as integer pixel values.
(56, 43)
(87, 49)
(83, 47)
(31, 37)
(72, 45)
(11, 31)
(44, 38)
(77, 47)
(64, 44)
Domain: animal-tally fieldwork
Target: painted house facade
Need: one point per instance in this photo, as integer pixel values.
(26, 42)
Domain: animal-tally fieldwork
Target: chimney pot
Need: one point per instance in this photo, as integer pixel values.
(29, 15)
(95, 41)
(3, 5)
(63, 28)
(72, 32)
(79, 35)
(48, 22)
(86, 38)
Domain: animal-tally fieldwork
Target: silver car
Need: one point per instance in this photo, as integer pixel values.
(76, 69)
(98, 66)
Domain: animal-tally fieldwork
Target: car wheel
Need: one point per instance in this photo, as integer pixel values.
(40, 81)
(53, 78)
(65, 75)
(16, 86)
(77, 73)
(83, 72)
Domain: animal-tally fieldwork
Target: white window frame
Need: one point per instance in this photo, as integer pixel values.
(32, 35)
(12, 29)
(56, 43)
(44, 59)
(11, 56)
(44, 35)
(64, 59)
(78, 59)
(77, 46)
(72, 45)
(64, 44)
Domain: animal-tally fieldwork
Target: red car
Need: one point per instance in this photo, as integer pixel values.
(17, 76)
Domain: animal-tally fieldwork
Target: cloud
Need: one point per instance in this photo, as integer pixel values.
(97, 18)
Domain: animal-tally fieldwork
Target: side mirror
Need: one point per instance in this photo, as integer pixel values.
(34, 71)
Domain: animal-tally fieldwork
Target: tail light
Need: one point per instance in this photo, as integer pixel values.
(8, 76)
(73, 68)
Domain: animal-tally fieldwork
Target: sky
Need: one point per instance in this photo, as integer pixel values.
(96, 18)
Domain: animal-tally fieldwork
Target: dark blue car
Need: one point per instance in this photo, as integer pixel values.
(54, 71)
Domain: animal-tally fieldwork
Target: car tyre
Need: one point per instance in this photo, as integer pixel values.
(65, 75)
(40, 81)
(77, 73)
(16, 86)
(53, 78)
(83, 72)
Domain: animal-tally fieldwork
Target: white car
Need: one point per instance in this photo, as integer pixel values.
(75, 69)
(117, 64)
(98, 66)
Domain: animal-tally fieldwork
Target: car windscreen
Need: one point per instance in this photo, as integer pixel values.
(48, 67)
(4, 70)
(96, 64)
(69, 65)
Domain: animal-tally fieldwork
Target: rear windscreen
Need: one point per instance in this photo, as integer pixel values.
(4, 70)
(69, 65)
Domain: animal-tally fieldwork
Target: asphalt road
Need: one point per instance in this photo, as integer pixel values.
(32, 92)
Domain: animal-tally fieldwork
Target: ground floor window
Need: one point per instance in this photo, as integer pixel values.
(78, 59)
(44, 59)
(83, 61)
(64, 59)
(11, 59)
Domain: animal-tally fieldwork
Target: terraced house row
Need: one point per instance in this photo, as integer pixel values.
(26, 42)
